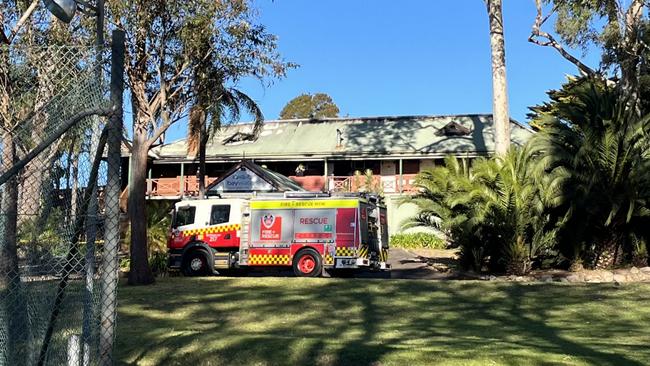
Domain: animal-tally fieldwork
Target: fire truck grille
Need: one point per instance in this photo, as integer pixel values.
(346, 252)
(269, 259)
(212, 230)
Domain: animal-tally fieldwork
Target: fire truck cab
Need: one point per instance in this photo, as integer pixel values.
(309, 232)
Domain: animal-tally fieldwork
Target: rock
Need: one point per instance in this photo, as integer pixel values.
(492, 278)
(564, 279)
(546, 278)
(620, 278)
(634, 270)
(574, 278)
(607, 276)
(635, 277)
(645, 270)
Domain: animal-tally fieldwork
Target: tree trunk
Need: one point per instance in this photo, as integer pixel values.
(139, 271)
(13, 308)
(501, 119)
(74, 192)
(201, 172)
(630, 53)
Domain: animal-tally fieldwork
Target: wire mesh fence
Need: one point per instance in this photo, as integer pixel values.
(57, 270)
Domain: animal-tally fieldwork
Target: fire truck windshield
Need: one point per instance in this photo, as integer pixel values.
(184, 216)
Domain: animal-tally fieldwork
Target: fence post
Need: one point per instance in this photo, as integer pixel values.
(73, 350)
(108, 300)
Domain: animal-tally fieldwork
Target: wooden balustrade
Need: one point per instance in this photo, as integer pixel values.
(171, 187)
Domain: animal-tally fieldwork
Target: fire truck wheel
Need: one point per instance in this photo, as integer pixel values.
(196, 263)
(307, 263)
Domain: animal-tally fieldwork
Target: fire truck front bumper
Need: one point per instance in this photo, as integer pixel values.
(360, 263)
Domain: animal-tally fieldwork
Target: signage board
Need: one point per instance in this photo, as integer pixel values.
(243, 180)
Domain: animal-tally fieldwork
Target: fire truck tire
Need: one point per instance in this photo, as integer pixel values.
(196, 263)
(307, 263)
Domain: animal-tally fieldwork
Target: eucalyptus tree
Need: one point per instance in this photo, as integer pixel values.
(618, 28)
(165, 51)
(500, 113)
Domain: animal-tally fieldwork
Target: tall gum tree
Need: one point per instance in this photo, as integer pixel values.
(501, 117)
(165, 51)
(619, 29)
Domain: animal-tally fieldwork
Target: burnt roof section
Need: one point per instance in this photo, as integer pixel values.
(348, 138)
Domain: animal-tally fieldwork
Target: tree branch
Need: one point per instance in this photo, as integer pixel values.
(53, 137)
(22, 21)
(537, 33)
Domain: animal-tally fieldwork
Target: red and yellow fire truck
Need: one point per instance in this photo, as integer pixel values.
(309, 232)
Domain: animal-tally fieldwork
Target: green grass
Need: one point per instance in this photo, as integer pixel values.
(296, 321)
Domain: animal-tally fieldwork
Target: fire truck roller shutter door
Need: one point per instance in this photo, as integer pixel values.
(314, 225)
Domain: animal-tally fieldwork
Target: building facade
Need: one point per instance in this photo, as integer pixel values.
(334, 154)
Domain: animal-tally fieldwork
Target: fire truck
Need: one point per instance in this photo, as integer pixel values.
(309, 232)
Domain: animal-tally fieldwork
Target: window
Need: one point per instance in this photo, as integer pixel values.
(184, 216)
(220, 214)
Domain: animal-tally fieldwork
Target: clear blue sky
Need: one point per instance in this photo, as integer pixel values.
(414, 57)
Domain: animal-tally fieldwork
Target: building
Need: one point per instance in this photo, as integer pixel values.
(328, 154)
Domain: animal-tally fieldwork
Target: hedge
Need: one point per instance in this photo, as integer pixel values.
(417, 240)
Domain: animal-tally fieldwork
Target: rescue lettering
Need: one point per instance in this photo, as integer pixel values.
(314, 221)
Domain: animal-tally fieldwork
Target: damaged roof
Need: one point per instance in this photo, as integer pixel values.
(348, 138)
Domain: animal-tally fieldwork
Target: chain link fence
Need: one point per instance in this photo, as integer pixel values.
(58, 257)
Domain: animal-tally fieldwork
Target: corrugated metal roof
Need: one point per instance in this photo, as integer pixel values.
(406, 136)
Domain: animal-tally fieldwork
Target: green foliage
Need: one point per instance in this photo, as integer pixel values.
(496, 212)
(158, 224)
(579, 190)
(592, 139)
(40, 237)
(318, 105)
(417, 240)
(619, 29)
(366, 182)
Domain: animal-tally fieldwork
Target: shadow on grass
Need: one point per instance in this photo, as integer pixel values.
(275, 321)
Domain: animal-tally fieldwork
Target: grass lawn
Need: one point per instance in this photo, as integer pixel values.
(291, 321)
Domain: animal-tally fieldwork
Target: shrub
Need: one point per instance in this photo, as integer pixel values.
(592, 136)
(495, 212)
(158, 224)
(417, 240)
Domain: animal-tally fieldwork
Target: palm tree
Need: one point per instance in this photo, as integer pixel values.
(599, 144)
(497, 209)
(213, 108)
